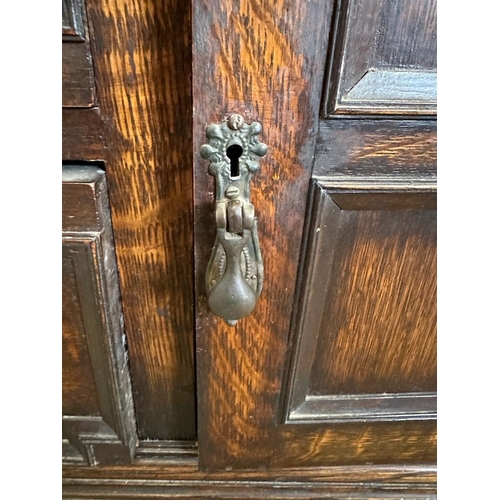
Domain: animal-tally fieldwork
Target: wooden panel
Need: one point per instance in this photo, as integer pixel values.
(365, 345)
(261, 60)
(377, 149)
(142, 58)
(83, 135)
(98, 413)
(77, 76)
(378, 333)
(79, 395)
(383, 59)
(78, 88)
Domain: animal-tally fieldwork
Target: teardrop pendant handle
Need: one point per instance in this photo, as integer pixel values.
(235, 270)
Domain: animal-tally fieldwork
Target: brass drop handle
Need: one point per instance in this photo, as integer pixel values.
(235, 272)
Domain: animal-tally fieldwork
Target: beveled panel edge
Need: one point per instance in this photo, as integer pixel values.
(411, 184)
(382, 407)
(114, 429)
(296, 405)
(390, 102)
(74, 29)
(381, 193)
(95, 440)
(388, 92)
(78, 79)
(294, 388)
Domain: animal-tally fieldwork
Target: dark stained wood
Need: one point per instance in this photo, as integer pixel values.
(379, 333)
(265, 60)
(82, 210)
(396, 442)
(364, 341)
(377, 149)
(77, 76)
(142, 64)
(167, 481)
(71, 454)
(256, 69)
(98, 413)
(261, 60)
(383, 58)
(83, 135)
(383, 199)
(79, 395)
(78, 88)
(134, 489)
(72, 23)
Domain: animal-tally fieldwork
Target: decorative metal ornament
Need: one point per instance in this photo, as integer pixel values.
(235, 271)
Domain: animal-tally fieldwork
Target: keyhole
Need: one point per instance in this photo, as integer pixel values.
(233, 153)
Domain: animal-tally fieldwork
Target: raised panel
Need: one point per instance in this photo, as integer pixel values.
(79, 392)
(364, 347)
(98, 416)
(383, 58)
(78, 87)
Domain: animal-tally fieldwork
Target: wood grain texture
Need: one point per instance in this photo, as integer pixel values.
(261, 60)
(79, 395)
(78, 88)
(134, 489)
(382, 58)
(142, 64)
(140, 480)
(98, 414)
(240, 368)
(378, 331)
(377, 149)
(331, 291)
(354, 443)
(368, 427)
(83, 135)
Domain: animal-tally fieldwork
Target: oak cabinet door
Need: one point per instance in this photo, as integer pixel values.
(337, 363)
